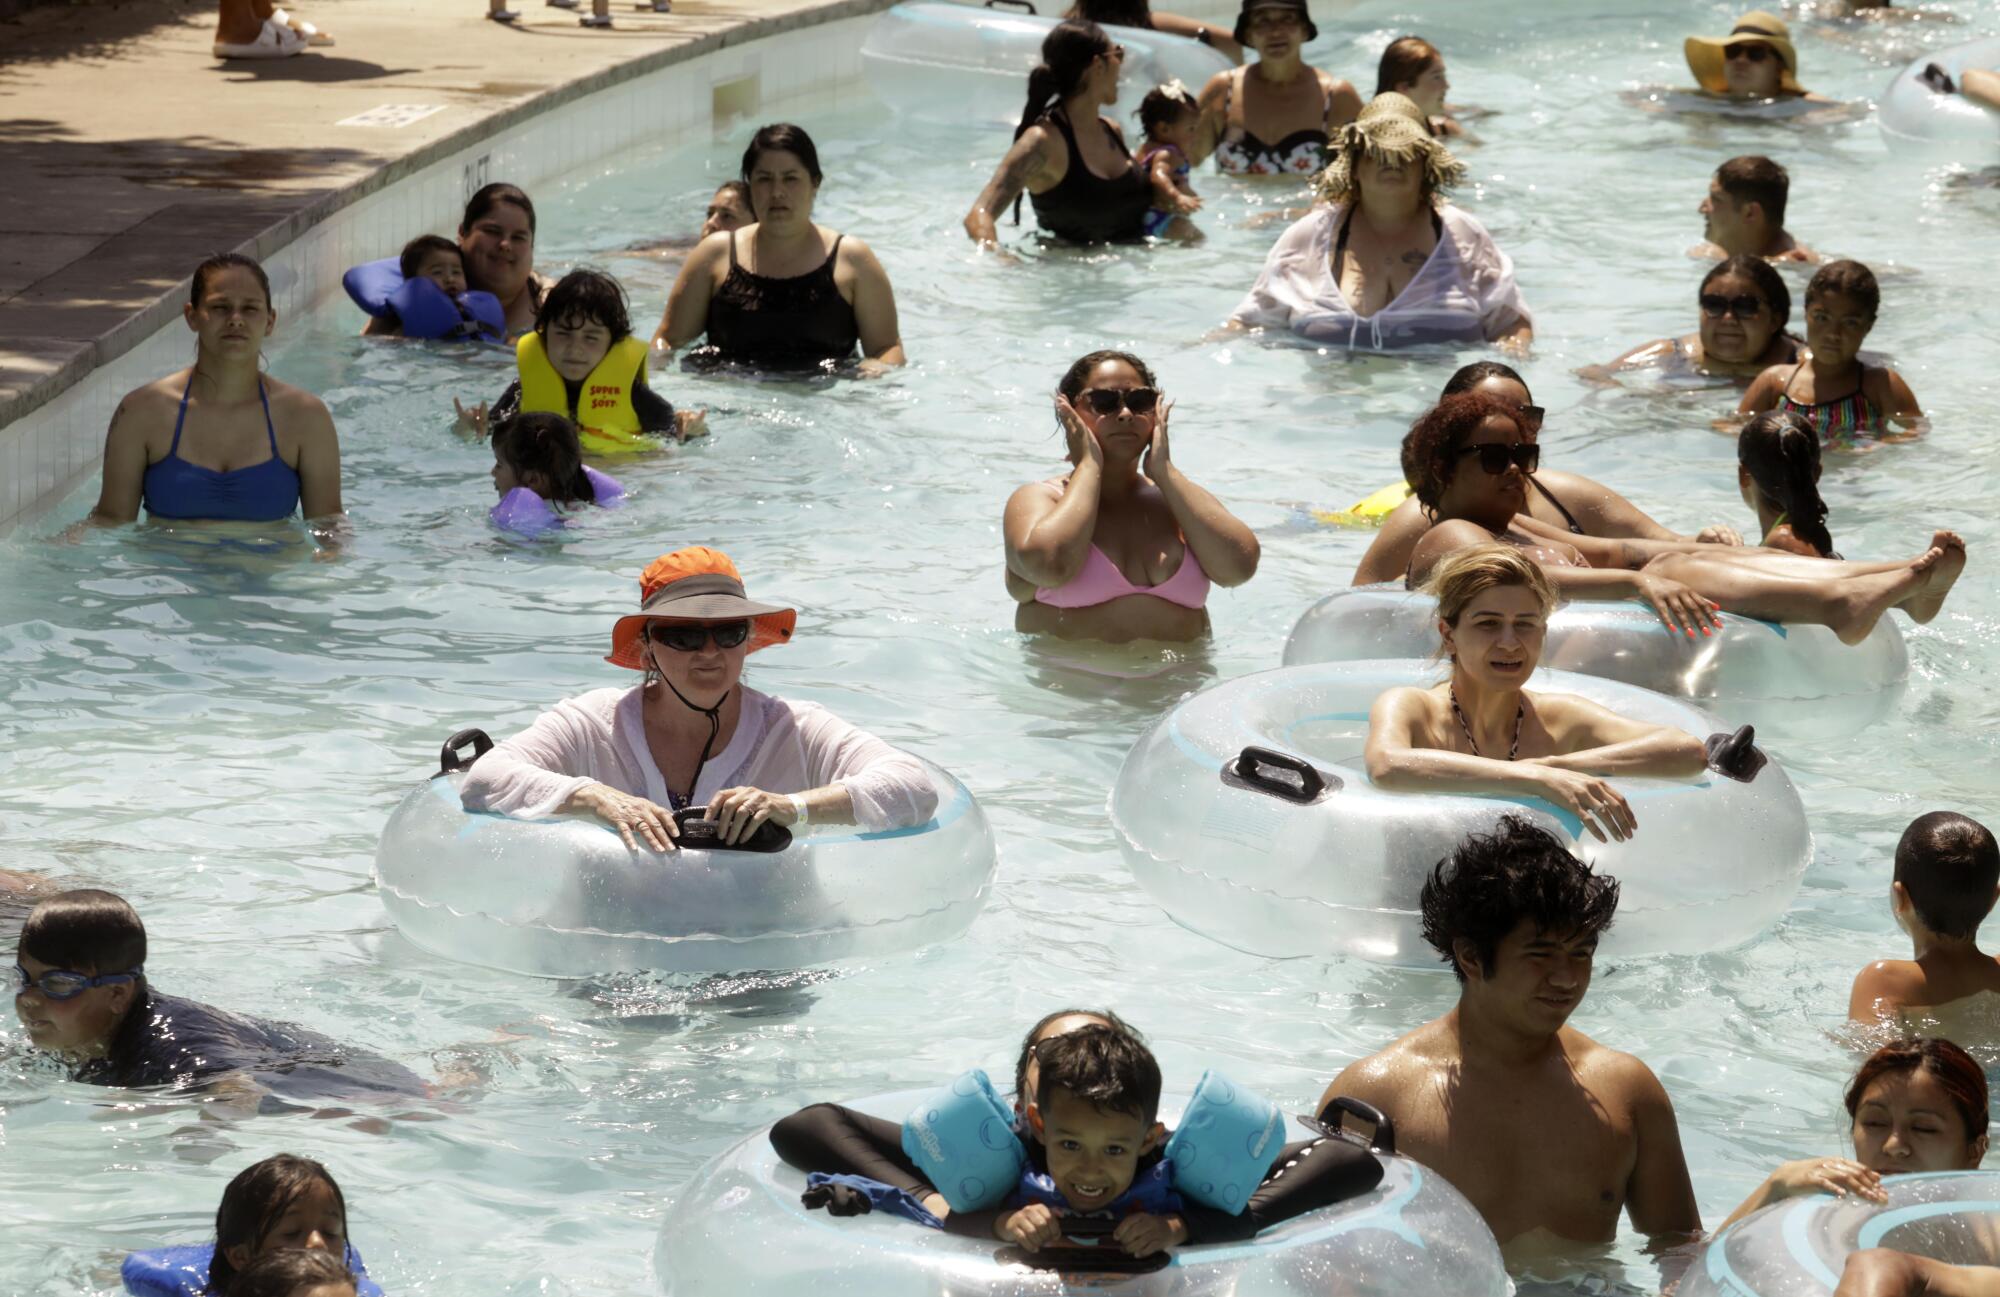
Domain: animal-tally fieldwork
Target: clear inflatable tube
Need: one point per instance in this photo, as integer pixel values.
(564, 897)
(1298, 854)
(958, 63)
(1912, 113)
(1796, 1248)
(1795, 683)
(738, 1228)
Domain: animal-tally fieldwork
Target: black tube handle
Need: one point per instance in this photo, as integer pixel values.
(449, 760)
(1737, 755)
(1384, 1138)
(700, 833)
(1253, 764)
(1023, 5)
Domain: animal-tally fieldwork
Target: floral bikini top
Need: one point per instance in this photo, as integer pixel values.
(1302, 153)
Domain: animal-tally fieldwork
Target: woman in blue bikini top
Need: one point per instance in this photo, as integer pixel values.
(227, 461)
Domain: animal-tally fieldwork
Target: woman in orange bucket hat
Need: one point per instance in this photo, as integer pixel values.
(692, 734)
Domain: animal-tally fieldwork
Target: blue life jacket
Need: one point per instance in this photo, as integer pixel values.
(183, 1272)
(1151, 1191)
(420, 306)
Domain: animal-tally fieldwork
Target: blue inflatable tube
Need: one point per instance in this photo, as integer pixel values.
(738, 1228)
(183, 1272)
(420, 306)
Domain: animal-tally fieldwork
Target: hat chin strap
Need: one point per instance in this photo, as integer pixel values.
(714, 715)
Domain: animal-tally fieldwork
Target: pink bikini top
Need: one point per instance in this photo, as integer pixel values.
(1101, 582)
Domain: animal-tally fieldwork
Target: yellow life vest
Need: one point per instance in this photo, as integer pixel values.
(607, 423)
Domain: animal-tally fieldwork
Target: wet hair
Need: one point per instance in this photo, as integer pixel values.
(1406, 59)
(1949, 865)
(545, 444)
(290, 1271)
(1163, 107)
(1492, 882)
(1849, 279)
(1754, 179)
(1078, 374)
(781, 137)
(482, 203)
(1471, 376)
(1107, 1066)
(1068, 52)
(1114, 13)
(220, 262)
(251, 1206)
(87, 931)
(586, 296)
(1780, 451)
(417, 250)
(1430, 448)
(741, 189)
(1962, 1078)
(1029, 1041)
(1770, 285)
(1465, 574)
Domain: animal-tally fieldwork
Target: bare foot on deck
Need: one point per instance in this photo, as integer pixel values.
(1940, 566)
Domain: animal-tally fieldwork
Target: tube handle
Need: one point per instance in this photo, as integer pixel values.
(1384, 1138)
(1254, 764)
(1023, 5)
(449, 759)
(1737, 755)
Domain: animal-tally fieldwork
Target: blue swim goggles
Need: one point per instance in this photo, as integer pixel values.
(63, 983)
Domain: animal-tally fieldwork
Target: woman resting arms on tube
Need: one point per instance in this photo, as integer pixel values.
(1469, 460)
(1482, 731)
(693, 735)
(1114, 551)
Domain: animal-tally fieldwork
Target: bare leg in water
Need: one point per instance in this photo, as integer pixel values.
(1848, 598)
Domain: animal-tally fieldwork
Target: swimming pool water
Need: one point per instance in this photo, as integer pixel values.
(218, 726)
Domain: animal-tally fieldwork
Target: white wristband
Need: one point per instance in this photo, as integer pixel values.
(799, 812)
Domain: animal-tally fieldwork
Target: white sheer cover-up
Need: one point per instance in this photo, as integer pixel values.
(1464, 292)
(779, 746)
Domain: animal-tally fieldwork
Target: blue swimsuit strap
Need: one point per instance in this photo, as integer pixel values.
(270, 429)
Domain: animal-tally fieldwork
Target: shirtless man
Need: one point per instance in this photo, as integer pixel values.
(1744, 213)
(1548, 1133)
(1947, 876)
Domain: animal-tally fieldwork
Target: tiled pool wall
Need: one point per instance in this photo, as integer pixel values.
(712, 91)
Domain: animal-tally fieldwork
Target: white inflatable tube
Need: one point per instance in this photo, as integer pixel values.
(564, 897)
(957, 63)
(1797, 1248)
(1913, 114)
(738, 1229)
(1795, 683)
(1255, 863)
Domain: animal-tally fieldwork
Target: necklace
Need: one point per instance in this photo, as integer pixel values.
(1520, 714)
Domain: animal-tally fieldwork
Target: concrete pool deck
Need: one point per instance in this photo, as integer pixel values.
(131, 152)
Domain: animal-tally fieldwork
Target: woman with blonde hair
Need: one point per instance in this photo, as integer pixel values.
(1481, 731)
(1385, 260)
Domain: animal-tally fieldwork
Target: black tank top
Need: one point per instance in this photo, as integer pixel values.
(1086, 208)
(798, 323)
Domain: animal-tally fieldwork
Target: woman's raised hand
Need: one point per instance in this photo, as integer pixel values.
(1838, 1176)
(1602, 808)
(1082, 442)
(1158, 458)
(633, 817)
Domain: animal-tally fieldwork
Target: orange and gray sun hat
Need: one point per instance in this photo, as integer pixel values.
(695, 584)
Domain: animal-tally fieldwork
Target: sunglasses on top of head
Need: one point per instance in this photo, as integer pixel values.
(1495, 456)
(1109, 400)
(689, 639)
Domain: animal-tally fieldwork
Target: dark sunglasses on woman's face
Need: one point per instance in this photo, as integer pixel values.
(1531, 417)
(689, 639)
(1107, 400)
(1754, 53)
(1742, 306)
(1495, 456)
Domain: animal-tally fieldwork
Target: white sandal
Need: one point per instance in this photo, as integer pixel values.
(276, 41)
(313, 35)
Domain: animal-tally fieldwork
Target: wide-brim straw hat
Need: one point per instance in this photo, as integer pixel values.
(1391, 126)
(695, 584)
(1242, 31)
(1706, 58)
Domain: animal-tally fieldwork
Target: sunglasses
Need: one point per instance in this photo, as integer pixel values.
(1742, 306)
(1754, 53)
(689, 639)
(1530, 417)
(1495, 456)
(62, 983)
(1108, 400)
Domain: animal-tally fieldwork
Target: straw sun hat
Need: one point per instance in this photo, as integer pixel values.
(1391, 127)
(1705, 53)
